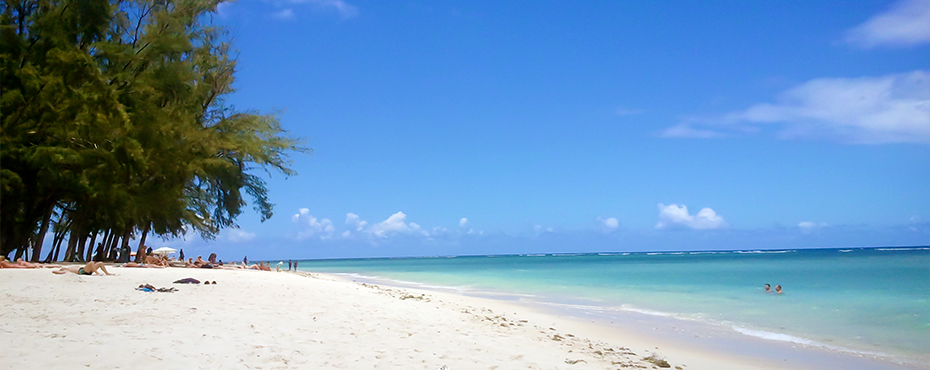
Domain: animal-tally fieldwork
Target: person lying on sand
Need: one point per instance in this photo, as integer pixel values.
(261, 267)
(22, 264)
(4, 264)
(142, 265)
(88, 269)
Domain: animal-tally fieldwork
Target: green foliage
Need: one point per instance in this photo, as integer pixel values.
(113, 114)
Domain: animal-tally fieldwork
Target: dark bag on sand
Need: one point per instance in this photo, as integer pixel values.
(187, 281)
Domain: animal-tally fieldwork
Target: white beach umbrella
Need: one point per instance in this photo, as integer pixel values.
(164, 250)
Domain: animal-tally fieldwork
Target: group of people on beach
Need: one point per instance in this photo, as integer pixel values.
(148, 259)
(768, 288)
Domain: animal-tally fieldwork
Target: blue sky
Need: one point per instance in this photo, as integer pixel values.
(476, 127)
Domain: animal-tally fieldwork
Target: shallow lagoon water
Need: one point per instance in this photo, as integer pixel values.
(871, 301)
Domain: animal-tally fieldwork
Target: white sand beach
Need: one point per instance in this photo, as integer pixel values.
(270, 320)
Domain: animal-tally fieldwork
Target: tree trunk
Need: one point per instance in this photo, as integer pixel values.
(72, 246)
(125, 245)
(73, 237)
(113, 242)
(37, 247)
(60, 235)
(53, 251)
(145, 232)
(93, 246)
(105, 243)
(84, 248)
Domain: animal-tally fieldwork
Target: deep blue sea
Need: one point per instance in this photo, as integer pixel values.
(872, 301)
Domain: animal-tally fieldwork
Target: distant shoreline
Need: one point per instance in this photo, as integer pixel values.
(568, 254)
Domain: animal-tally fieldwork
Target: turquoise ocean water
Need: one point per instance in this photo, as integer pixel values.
(873, 301)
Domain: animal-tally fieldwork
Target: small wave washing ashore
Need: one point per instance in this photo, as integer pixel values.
(867, 301)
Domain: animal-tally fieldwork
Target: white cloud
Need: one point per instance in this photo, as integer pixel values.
(311, 226)
(223, 9)
(393, 225)
(283, 14)
(868, 110)
(344, 9)
(396, 223)
(238, 236)
(674, 215)
(463, 222)
(906, 23)
(608, 224)
(807, 226)
(686, 130)
(539, 229)
(355, 222)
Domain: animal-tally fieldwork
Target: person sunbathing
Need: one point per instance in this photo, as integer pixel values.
(142, 265)
(151, 262)
(202, 264)
(4, 264)
(156, 260)
(88, 269)
(22, 264)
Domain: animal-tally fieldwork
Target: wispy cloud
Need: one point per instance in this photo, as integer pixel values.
(867, 110)
(239, 236)
(687, 130)
(609, 224)
(223, 9)
(283, 14)
(340, 7)
(676, 216)
(808, 227)
(907, 23)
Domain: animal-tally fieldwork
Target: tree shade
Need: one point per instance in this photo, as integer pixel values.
(114, 123)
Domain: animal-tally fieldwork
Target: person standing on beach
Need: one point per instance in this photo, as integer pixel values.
(295, 265)
(289, 265)
(245, 260)
(181, 258)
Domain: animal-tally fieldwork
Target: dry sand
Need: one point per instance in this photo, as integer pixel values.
(269, 320)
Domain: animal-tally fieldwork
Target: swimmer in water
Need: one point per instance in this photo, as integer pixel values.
(768, 288)
(778, 289)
